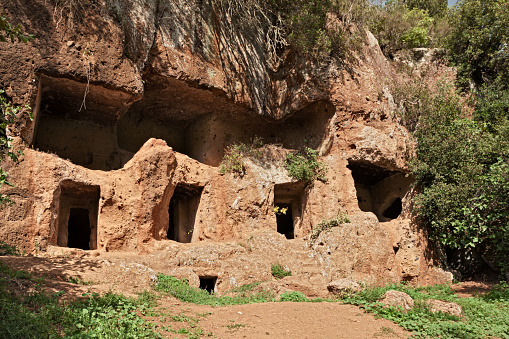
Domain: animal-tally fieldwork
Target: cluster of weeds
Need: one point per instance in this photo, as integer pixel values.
(293, 296)
(233, 158)
(6, 249)
(182, 290)
(326, 224)
(483, 316)
(279, 271)
(234, 326)
(74, 279)
(305, 166)
(194, 331)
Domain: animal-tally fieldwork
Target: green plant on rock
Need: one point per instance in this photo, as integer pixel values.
(279, 271)
(233, 158)
(326, 224)
(305, 166)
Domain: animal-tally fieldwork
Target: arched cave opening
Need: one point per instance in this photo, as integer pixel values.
(104, 129)
(182, 212)
(78, 215)
(379, 190)
(288, 207)
(79, 127)
(208, 284)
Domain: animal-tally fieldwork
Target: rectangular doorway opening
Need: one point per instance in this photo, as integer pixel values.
(208, 284)
(284, 219)
(182, 212)
(288, 206)
(79, 228)
(78, 215)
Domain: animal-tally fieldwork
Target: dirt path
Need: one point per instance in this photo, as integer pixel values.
(292, 320)
(266, 320)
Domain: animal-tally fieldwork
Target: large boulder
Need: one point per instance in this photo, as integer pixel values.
(397, 299)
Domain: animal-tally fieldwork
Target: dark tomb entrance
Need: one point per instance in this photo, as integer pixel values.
(394, 210)
(208, 284)
(287, 206)
(79, 229)
(284, 220)
(78, 210)
(379, 190)
(182, 212)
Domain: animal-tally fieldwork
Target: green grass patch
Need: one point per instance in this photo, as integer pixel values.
(8, 250)
(40, 314)
(279, 272)
(483, 316)
(293, 296)
(181, 290)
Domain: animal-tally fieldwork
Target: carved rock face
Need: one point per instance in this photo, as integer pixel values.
(130, 127)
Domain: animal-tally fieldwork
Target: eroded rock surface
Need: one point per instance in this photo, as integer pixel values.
(130, 127)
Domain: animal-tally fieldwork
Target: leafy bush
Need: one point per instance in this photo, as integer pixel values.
(233, 158)
(407, 24)
(293, 296)
(8, 32)
(478, 42)
(305, 166)
(8, 250)
(326, 224)
(279, 271)
(417, 35)
(461, 158)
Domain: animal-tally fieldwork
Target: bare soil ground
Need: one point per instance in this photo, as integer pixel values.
(117, 272)
(129, 273)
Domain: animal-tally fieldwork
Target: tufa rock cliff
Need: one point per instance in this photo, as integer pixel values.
(134, 104)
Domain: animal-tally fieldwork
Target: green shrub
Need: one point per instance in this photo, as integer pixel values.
(326, 224)
(279, 272)
(418, 34)
(233, 158)
(401, 24)
(305, 166)
(478, 41)
(293, 296)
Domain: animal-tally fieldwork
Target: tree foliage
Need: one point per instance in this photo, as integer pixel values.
(479, 42)
(435, 8)
(401, 24)
(461, 165)
(8, 32)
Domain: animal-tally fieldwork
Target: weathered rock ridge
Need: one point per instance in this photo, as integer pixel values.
(134, 103)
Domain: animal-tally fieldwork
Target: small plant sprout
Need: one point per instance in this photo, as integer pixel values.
(279, 271)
